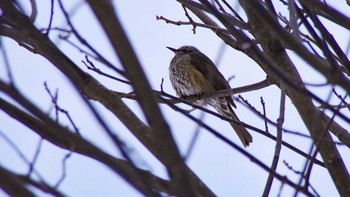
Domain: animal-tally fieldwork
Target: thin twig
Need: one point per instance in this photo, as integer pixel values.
(90, 65)
(20, 154)
(343, 99)
(220, 6)
(190, 19)
(36, 156)
(195, 24)
(64, 169)
(59, 109)
(278, 146)
(264, 113)
(34, 13)
(51, 17)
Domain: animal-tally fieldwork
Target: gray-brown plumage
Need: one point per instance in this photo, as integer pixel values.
(193, 73)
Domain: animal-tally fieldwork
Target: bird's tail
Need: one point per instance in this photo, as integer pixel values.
(223, 107)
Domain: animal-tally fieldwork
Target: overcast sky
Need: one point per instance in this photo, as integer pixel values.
(223, 169)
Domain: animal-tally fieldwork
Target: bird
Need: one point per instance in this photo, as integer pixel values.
(192, 73)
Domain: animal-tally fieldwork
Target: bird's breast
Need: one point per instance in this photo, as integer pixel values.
(186, 79)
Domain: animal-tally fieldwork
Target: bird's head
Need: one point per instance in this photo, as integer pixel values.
(183, 49)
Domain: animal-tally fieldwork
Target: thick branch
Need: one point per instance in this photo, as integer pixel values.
(176, 168)
(63, 138)
(92, 89)
(263, 26)
(12, 184)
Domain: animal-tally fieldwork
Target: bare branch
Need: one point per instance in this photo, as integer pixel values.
(66, 139)
(264, 113)
(245, 153)
(194, 24)
(147, 100)
(51, 18)
(278, 146)
(12, 184)
(34, 13)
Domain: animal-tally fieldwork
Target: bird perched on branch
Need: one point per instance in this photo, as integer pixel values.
(193, 73)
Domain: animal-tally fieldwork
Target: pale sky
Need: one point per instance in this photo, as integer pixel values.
(225, 171)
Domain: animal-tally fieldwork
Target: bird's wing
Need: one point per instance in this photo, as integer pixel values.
(211, 73)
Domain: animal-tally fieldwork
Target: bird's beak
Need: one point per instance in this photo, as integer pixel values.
(172, 49)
